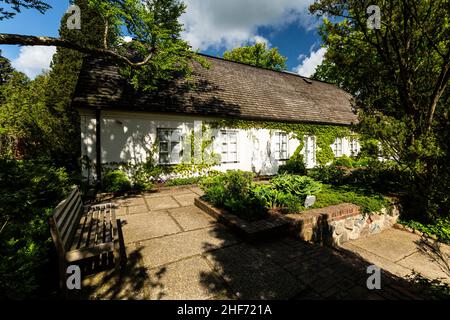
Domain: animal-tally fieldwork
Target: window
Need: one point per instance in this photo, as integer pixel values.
(337, 147)
(354, 147)
(170, 150)
(229, 146)
(310, 151)
(281, 146)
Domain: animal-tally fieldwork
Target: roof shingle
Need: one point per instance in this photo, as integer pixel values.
(226, 90)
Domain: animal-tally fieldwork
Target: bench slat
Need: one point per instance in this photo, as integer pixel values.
(92, 240)
(88, 252)
(69, 228)
(108, 233)
(60, 209)
(79, 233)
(101, 230)
(84, 238)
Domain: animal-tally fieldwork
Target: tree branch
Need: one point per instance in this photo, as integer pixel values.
(25, 40)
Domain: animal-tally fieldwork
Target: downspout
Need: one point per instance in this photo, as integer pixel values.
(98, 147)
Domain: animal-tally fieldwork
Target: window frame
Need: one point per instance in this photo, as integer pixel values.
(226, 133)
(279, 146)
(169, 146)
(354, 147)
(336, 143)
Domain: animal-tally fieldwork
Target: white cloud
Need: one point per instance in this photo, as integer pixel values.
(32, 60)
(231, 23)
(310, 64)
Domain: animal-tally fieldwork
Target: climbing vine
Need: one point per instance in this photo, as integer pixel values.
(325, 134)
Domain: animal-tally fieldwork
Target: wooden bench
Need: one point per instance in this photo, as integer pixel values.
(81, 232)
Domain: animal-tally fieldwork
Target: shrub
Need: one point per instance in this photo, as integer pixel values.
(233, 191)
(295, 165)
(28, 193)
(344, 161)
(273, 198)
(440, 228)
(299, 186)
(116, 181)
(328, 174)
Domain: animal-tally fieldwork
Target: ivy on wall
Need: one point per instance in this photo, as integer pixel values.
(325, 134)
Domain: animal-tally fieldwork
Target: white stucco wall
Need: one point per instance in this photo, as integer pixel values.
(128, 137)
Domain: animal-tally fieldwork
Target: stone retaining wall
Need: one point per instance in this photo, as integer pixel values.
(333, 225)
(338, 224)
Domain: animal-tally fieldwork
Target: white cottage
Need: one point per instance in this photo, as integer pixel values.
(119, 125)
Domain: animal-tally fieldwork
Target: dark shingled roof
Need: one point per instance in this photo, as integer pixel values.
(227, 90)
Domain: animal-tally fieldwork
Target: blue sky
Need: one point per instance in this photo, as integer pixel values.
(212, 26)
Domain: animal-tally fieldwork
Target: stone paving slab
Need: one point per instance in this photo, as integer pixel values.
(197, 190)
(427, 266)
(129, 201)
(389, 244)
(161, 251)
(251, 275)
(168, 192)
(191, 218)
(144, 226)
(381, 262)
(401, 252)
(137, 209)
(161, 203)
(185, 199)
(190, 279)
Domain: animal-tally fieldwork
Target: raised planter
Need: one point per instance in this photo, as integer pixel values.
(273, 226)
(333, 225)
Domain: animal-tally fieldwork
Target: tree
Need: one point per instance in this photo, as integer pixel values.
(157, 51)
(5, 69)
(258, 55)
(399, 76)
(62, 80)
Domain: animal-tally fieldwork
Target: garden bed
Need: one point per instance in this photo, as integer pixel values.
(275, 224)
(332, 225)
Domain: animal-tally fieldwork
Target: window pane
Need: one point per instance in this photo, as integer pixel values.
(232, 156)
(163, 135)
(175, 153)
(224, 157)
(163, 147)
(176, 135)
(163, 158)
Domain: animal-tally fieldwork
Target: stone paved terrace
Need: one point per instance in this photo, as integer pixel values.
(176, 251)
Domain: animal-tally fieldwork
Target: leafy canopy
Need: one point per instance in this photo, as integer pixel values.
(399, 76)
(156, 53)
(258, 55)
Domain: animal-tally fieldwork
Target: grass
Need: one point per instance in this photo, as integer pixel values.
(368, 201)
(182, 181)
